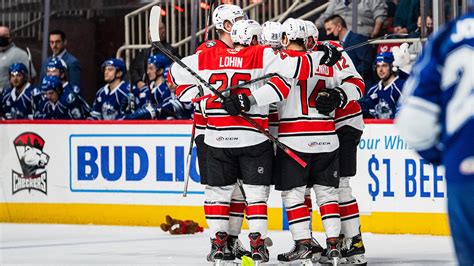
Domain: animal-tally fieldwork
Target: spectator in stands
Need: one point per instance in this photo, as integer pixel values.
(370, 15)
(17, 101)
(11, 54)
(406, 16)
(382, 99)
(362, 57)
(58, 43)
(138, 76)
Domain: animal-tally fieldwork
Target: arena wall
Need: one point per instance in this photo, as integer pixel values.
(131, 173)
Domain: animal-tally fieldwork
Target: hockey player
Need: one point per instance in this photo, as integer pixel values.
(382, 98)
(306, 126)
(57, 67)
(437, 120)
(271, 34)
(223, 17)
(17, 102)
(349, 126)
(225, 67)
(57, 103)
(115, 99)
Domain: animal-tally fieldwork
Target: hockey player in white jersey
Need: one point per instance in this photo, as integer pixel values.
(306, 125)
(236, 146)
(437, 119)
(349, 126)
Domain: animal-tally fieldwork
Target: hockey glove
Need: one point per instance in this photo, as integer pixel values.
(331, 54)
(330, 99)
(145, 113)
(236, 104)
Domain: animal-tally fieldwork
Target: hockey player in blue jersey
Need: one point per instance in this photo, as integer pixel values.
(159, 102)
(115, 100)
(437, 119)
(57, 103)
(57, 67)
(17, 102)
(382, 98)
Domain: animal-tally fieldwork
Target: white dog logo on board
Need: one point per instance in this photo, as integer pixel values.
(33, 161)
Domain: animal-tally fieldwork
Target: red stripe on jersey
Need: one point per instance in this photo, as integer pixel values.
(358, 82)
(221, 210)
(200, 119)
(329, 209)
(281, 85)
(273, 117)
(237, 207)
(256, 209)
(210, 45)
(349, 210)
(351, 108)
(170, 78)
(297, 213)
(247, 58)
(304, 66)
(235, 121)
(306, 126)
(181, 88)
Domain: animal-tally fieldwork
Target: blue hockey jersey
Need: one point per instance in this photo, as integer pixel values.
(382, 101)
(69, 106)
(437, 113)
(69, 87)
(115, 104)
(20, 106)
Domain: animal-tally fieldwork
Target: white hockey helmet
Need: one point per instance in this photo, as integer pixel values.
(311, 30)
(243, 31)
(294, 29)
(226, 12)
(271, 34)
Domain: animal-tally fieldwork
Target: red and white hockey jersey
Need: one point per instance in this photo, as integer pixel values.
(301, 127)
(223, 68)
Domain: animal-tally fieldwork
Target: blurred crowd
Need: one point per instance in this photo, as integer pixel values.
(143, 92)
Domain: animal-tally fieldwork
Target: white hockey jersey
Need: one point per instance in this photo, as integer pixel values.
(301, 127)
(223, 68)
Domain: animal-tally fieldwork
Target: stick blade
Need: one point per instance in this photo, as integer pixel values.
(154, 26)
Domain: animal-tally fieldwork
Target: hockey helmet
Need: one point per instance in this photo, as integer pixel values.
(51, 83)
(58, 64)
(271, 34)
(311, 30)
(18, 68)
(386, 57)
(294, 29)
(243, 31)
(226, 12)
(159, 60)
(117, 63)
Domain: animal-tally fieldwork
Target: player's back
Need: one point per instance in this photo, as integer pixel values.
(223, 68)
(18, 106)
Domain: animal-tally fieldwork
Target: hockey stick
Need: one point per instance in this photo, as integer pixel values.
(193, 131)
(155, 17)
(198, 99)
(373, 40)
(206, 32)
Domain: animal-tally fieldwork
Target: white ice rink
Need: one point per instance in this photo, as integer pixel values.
(40, 244)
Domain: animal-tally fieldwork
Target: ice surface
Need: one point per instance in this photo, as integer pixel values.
(40, 244)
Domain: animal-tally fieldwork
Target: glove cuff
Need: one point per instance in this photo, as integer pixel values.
(342, 96)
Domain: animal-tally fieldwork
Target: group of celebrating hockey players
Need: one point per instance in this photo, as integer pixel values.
(313, 95)
(57, 98)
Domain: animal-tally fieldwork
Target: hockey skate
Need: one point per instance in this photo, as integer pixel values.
(219, 253)
(235, 246)
(352, 251)
(317, 249)
(259, 248)
(331, 254)
(302, 252)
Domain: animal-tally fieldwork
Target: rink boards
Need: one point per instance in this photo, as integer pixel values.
(131, 173)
